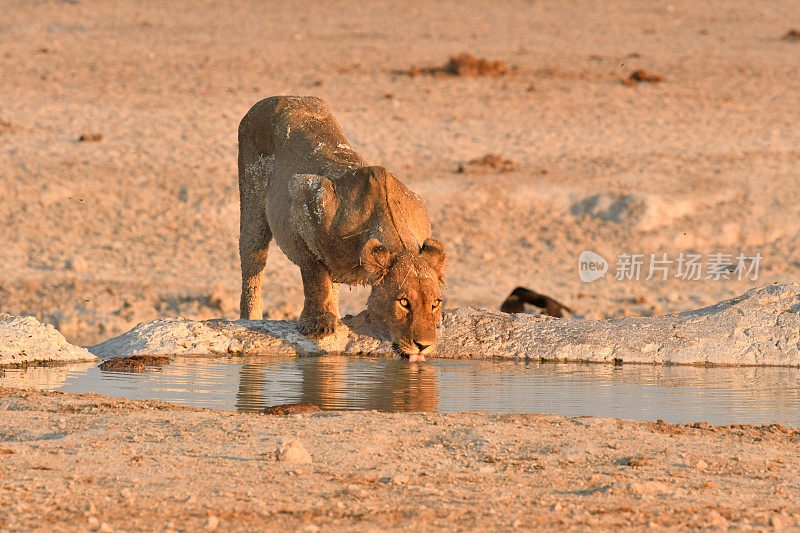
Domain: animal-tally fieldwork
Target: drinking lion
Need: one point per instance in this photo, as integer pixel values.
(337, 218)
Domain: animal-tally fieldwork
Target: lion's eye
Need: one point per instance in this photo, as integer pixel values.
(437, 303)
(403, 302)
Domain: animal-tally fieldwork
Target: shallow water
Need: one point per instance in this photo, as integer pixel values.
(719, 395)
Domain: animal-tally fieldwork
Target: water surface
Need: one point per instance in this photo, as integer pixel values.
(719, 395)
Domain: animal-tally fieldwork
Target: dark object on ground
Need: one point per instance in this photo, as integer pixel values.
(515, 303)
(6, 126)
(135, 363)
(637, 461)
(90, 137)
(464, 64)
(488, 162)
(792, 35)
(641, 76)
(291, 409)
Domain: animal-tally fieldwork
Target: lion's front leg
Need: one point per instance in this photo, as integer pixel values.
(320, 314)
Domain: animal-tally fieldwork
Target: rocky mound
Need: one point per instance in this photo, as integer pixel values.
(761, 327)
(26, 340)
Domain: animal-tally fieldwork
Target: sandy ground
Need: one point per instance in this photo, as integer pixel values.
(97, 236)
(73, 462)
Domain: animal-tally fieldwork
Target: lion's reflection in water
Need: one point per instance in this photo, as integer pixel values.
(392, 385)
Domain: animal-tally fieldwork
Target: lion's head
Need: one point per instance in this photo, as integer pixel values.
(407, 293)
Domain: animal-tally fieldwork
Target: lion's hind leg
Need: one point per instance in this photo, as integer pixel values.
(253, 247)
(254, 233)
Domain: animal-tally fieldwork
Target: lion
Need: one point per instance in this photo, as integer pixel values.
(337, 218)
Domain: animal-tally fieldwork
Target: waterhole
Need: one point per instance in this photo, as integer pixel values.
(718, 395)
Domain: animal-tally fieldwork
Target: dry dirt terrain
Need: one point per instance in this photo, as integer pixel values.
(71, 463)
(617, 127)
(140, 219)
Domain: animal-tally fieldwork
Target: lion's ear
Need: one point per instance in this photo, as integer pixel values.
(376, 260)
(433, 252)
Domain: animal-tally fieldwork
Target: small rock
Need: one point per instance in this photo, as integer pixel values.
(126, 493)
(291, 409)
(310, 528)
(637, 461)
(717, 520)
(488, 162)
(212, 522)
(792, 36)
(292, 452)
(76, 264)
(777, 521)
(105, 528)
(219, 299)
(94, 523)
(90, 137)
(400, 479)
(486, 469)
(641, 76)
(701, 465)
(236, 347)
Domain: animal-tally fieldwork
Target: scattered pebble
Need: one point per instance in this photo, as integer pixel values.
(76, 264)
(292, 452)
(701, 465)
(219, 300)
(291, 409)
(777, 521)
(641, 76)
(638, 460)
(792, 36)
(5, 126)
(90, 137)
(717, 520)
(494, 162)
(212, 522)
(466, 65)
(400, 479)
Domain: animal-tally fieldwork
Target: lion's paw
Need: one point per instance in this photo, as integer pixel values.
(319, 326)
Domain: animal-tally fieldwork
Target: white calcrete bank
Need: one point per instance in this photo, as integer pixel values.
(23, 340)
(761, 327)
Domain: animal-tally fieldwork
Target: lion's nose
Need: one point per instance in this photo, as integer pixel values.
(422, 346)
